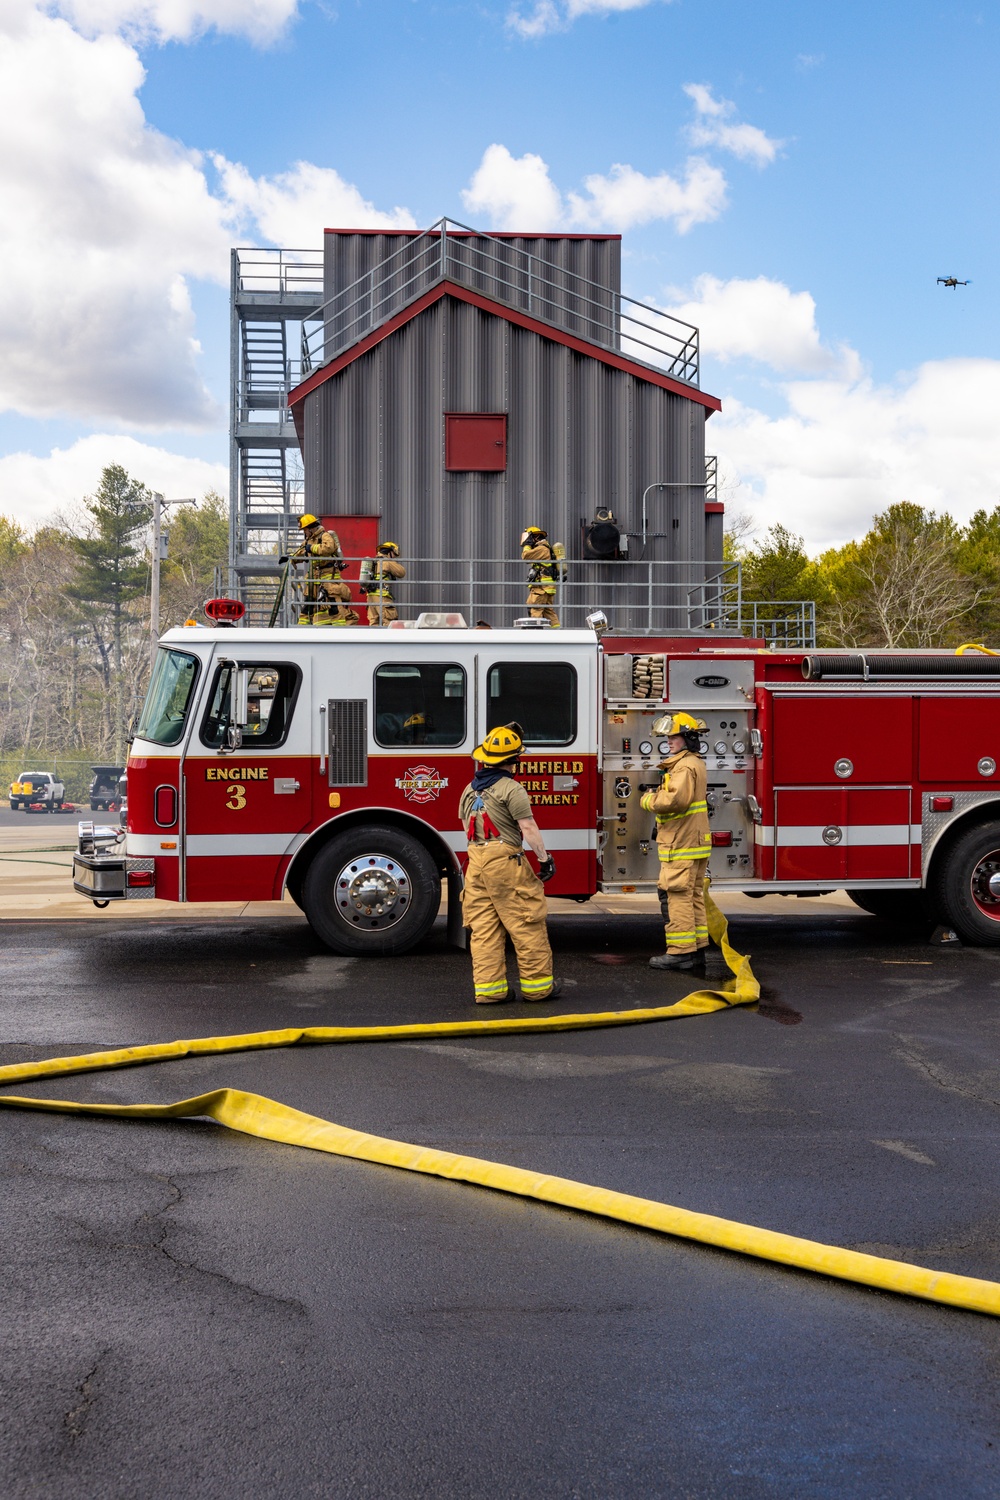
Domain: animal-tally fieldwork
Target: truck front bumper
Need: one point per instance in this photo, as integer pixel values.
(103, 872)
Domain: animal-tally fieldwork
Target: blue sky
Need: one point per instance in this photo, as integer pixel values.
(797, 177)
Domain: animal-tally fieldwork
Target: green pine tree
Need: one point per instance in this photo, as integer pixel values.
(113, 573)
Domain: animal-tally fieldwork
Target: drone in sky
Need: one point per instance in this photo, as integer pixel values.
(952, 281)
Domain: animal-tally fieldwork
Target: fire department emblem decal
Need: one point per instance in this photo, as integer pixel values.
(421, 784)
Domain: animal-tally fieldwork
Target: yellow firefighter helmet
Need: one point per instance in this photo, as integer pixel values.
(306, 521)
(392, 547)
(499, 745)
(670, 724)
(531, 534)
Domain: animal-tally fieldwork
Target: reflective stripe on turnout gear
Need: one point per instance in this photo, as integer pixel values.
(700, 851)
(695, 807)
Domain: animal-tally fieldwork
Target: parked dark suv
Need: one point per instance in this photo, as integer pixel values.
(104, 794)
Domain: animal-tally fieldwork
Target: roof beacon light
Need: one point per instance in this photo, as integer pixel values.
(431, 620)
(225, 611)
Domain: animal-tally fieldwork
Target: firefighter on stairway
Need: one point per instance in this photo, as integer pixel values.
(503, 895)
(683, 841)
(323, 586)
(543, 575)
(377, 574)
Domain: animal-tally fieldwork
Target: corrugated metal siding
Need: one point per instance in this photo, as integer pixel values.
(580, 434)
(489, 265)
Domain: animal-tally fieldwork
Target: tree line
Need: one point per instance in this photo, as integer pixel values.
(74, 604)
(916, 579)
(74, 618)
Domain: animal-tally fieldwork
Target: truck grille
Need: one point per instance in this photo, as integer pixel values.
(347, 721)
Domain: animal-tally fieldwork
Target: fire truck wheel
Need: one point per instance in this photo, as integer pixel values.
(372, 891)
(966, 885)
(903, 907)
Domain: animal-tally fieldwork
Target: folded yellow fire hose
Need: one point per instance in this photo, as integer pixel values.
(252, 1114)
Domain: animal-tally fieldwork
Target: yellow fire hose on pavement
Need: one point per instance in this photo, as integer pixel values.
(253, 1114)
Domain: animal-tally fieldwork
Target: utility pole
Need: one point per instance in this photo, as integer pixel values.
(159, 553)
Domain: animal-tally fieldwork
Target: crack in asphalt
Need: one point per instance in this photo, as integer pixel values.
(942, 1083)
(177, 1192)
(75, 1420)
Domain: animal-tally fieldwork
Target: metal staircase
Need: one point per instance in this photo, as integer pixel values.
(275, 293)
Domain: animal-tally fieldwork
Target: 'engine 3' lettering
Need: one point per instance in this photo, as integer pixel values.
(237, 773)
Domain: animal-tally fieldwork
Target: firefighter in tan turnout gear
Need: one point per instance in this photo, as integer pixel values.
(503, 895)
(543, 574)
(683, 841)
(323, 584)
(377, 574)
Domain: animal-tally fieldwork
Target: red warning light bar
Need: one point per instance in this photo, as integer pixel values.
(228, 610)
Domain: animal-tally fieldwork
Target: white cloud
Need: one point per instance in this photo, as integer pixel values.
(548, 15)
(262, 21)
(714, 126)
(106, 223)
(518, 193)
(33, 489)
(761, 320)
(845, 449)
(294, 208)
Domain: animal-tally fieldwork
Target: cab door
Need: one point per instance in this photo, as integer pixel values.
(246, 807)
(551, 694)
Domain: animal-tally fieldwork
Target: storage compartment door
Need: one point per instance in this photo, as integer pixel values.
(809, 835)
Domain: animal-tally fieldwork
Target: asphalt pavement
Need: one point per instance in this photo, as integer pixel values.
(193, 1313)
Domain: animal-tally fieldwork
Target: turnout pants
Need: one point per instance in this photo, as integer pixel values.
(682, 902)
(381, 612)
(504, 897)
(320, 595)
(540, 601)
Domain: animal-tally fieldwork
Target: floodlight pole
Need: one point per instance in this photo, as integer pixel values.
(159, 506)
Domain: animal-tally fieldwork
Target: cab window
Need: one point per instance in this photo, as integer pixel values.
(419, 704)
(270, 699)
(540, 696)
(164, 713)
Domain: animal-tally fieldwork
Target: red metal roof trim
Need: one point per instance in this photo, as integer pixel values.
(714, 507)
(500, 310)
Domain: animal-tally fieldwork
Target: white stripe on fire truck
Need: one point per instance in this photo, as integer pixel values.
(201, 845)
(855, 834)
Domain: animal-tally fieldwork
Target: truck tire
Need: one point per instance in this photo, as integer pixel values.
(372, 892)
(905, 908)
(961, 885)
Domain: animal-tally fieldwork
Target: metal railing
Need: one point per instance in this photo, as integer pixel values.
(451, 250)
(281, 272)
(638, 598)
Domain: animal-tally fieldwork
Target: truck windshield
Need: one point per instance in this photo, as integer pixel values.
(168, 698)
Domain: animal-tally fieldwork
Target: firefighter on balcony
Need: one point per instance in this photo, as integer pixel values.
(377, 574)
(503, 895)
(543, 575)
(323, 585)
(683, 842)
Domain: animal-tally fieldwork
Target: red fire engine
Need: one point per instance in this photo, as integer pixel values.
(329, 764)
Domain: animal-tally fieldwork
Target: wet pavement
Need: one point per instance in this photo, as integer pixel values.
(189, 1312)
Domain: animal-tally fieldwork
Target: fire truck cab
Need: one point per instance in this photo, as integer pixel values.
(329, 763)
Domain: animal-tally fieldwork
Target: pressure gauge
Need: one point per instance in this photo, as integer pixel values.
(645, 747)
(663, 748)
(720, 747)
(703, 747)
(739, 748)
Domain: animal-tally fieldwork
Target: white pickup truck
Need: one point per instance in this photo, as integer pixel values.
(37, 791)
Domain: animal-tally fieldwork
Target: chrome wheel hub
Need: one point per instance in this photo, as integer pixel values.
(986, 885)
(373, 891)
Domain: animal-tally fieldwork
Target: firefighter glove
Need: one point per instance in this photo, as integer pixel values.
(546, 869)
(283, 559)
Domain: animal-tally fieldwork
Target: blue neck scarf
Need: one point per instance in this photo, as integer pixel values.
(488, 776)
